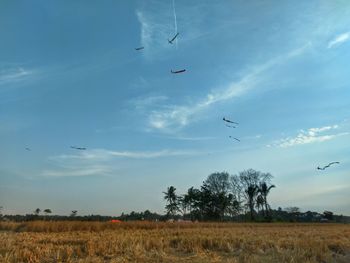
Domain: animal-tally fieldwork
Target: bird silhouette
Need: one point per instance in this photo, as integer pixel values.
(326, 166)
(171, 41)
(78, 148)
(234, 138)
(28, 149)
(229, 121)
(139, 48)
(178, 71)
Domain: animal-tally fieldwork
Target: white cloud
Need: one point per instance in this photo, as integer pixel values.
(178, 116)
(101, 161)
(184, 138)
(154, 30)
(157, 25)
(77, 172)
(338, 40)
(309, 136)
(104, 155)
(146, 29)
(14, 75)
(315, 131)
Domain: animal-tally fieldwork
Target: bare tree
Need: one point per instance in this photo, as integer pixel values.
(218, 183)
(264, 190)
(251, 192)
(249, 181)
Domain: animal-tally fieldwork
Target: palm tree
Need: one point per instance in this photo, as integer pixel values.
(183, 203)
(260, 203)
(264, 190)
(251, 193)
(172, 201)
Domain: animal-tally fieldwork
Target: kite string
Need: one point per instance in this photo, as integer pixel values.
(175, 21)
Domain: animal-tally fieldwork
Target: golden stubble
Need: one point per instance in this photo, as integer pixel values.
(45, 241)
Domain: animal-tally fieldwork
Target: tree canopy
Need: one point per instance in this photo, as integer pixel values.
(222, 195)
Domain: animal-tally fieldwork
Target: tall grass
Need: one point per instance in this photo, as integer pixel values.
(172, 242)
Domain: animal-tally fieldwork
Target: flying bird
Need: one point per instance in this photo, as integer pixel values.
(78, 148)
(172, 40)
(28, 149)
(139, 48)
(178, 71)
(234, 138)
(229, 121)
(328, 165)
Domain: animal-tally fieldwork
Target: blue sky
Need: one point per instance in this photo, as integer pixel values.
(69, 75)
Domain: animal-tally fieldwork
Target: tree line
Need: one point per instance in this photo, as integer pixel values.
(240, 197)
(289, 214)
(223, 196)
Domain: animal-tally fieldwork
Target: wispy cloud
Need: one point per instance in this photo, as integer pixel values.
(188, 138)
(154, 30)
(146, 29)
(77, 172)
(178, 116)
(253, 137)
(338, 40)
(102, 154)
(101, 161)
(311, 135)
(160, 21)
(145, 102)
(157, 20)
(14, 75)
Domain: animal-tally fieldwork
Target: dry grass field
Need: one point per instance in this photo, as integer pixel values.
(173, 242)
